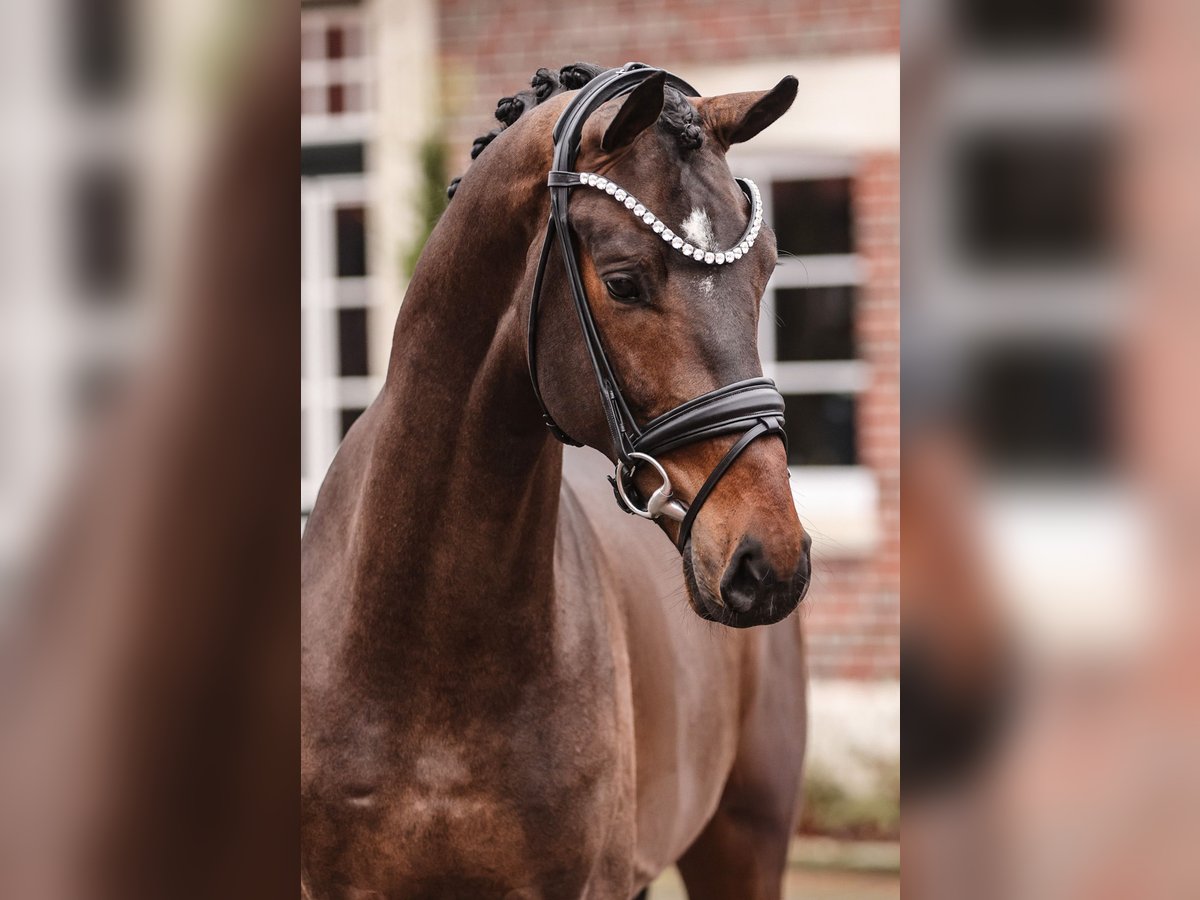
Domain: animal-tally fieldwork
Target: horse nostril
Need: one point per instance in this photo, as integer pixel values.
(747, 573)
(756, 566)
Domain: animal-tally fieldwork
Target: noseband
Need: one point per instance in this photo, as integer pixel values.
(753, 407)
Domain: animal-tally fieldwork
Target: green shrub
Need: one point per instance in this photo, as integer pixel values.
(430, 200)
(829, 809)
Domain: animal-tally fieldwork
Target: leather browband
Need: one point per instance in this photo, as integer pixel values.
(753, 406)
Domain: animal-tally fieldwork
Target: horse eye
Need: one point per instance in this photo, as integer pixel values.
(622, 288)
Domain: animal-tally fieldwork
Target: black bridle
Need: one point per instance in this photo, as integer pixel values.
(753, 407)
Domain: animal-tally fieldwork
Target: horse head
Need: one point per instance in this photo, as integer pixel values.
(669, 257)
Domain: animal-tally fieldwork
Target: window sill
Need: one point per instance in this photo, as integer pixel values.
(838, 505)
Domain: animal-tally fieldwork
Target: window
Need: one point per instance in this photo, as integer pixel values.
(1035, 196)
(337, 381)
(352, 341)
(335, 82)
(101, 54)
(351, 241)
(812, 216)
(833, 443)
(332, 159)
(102, 229)
(814, 323)
(340, 375)
(1042, 407)
(807, 336)
(1023, 25)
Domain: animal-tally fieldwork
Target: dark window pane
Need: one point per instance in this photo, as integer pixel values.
(814, 323)
(337, 99)
(352, 342)
(349, 417)
(101, 56)
(1035, 197)
(812, 217)
(1042, 407)
(1018, 25)
(330, 159)
(821, 430)
(351, 242)
(102, 231)
(334, 44)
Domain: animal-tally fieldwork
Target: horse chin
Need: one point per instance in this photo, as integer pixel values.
(708, 606)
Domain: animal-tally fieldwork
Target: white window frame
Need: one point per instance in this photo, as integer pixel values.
(839, 504)
(323, 392)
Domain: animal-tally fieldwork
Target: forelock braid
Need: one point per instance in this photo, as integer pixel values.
(682, 120)
(544, 85)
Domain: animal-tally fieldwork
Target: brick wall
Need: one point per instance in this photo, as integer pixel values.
(490, 49)
(853, 616)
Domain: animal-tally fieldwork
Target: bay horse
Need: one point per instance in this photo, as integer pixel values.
(504, 693)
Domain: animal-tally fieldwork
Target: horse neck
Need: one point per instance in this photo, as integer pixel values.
(459, 509)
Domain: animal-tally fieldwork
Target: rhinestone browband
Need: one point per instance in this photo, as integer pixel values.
(699, 254)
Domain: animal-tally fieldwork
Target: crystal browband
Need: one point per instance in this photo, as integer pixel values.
(709, 257)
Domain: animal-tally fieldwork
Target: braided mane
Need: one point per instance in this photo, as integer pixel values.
(678, 117)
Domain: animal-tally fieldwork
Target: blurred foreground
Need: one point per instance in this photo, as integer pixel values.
(1051, 683)
(148, 556)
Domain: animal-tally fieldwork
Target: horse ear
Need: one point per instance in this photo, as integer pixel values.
(641, 109)
(735, 118)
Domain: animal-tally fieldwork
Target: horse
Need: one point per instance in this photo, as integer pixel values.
(510, 687)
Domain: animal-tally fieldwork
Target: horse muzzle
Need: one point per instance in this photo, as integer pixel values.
(751, 590)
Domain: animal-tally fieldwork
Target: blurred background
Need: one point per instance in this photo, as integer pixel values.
(113, 113)
(1049, 447)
